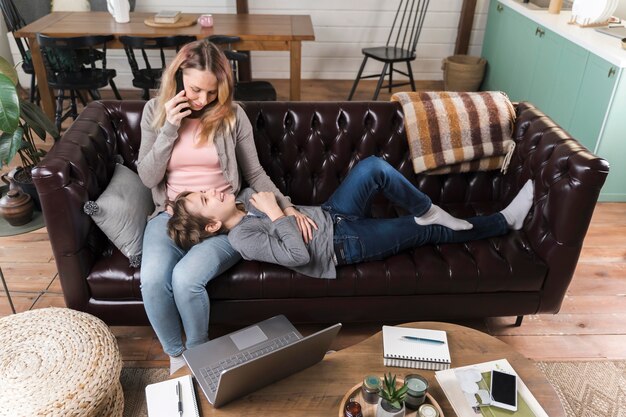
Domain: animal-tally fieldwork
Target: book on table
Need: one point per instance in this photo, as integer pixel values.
(163, 397)
(456, 383)
(167, 16)
(408, 347)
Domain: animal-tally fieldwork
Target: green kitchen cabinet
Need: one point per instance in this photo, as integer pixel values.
(593, 101)
(501, 56)
(612, 143)
(582, 92)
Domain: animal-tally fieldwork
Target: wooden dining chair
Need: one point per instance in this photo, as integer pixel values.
(244, 90)
(89, 77)
(400, 47)
(149, 76)
(14, 21)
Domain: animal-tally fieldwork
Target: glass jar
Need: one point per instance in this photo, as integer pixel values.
(416, 393)
(352, 409)
(370, 389)
(427, 410)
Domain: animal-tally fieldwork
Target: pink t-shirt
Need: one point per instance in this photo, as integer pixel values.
(192, 167)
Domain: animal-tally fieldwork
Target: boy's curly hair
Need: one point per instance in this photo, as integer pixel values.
(184, 228)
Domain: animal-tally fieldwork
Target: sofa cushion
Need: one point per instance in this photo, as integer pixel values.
(121, 212)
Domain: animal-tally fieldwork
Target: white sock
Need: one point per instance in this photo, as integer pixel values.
(176, 362)
(516, 212)
(437, 215)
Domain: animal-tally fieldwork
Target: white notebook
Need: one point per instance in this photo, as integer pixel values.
(162, 400)
(403, 348)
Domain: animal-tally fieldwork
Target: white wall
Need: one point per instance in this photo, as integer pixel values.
(4, 43)
(342, 28)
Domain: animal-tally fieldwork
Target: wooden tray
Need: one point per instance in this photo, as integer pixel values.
(184, 21)
(369, 410)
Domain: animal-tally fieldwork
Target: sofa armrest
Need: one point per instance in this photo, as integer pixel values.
(77, 169)
(568, 179)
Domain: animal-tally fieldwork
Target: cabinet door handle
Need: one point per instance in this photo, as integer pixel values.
(611, 72)
(537, 31)
(499, 7)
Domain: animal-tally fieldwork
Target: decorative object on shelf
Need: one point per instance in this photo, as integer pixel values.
(391, 398)
(624, 43)
(592, 13)
(416, 393)
(120, 10)
(16, 207)
(370, 389)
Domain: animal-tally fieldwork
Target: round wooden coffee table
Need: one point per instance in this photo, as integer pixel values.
(318, 391)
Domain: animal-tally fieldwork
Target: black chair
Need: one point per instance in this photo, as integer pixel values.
(244, 90)
(78, 77)
(14, 21)
(406, 34)
(148, 78)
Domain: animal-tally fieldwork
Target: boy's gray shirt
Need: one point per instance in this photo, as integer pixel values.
(257, 238)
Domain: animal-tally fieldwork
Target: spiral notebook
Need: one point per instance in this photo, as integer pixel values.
(406, 347)
(162, 399)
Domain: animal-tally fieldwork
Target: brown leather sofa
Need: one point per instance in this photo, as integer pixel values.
(307, 149)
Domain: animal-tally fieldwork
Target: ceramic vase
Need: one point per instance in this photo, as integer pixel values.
(387, 411)
(16, 206)
(120, 10)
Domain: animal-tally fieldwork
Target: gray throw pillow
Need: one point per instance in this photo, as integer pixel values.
(121, 212)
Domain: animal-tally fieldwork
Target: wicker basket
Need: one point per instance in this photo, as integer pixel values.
(463, 72)
(59, 362)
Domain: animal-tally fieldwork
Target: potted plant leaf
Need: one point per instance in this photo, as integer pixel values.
(391, 398)
(20, 123)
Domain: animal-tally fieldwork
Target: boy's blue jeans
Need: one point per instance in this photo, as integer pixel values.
(358, 238)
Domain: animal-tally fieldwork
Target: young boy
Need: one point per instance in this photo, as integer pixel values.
(344, 234)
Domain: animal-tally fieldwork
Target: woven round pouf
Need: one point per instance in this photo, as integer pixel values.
(58, 362)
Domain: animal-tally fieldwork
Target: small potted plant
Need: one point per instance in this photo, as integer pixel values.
(391, 398)
(20, 123)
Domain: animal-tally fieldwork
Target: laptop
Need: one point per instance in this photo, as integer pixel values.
(241, 362)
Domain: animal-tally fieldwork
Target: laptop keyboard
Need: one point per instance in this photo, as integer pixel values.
(211, 374)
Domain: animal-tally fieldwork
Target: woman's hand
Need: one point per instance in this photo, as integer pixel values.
(305, 223)
(177, 108)
(266, 202)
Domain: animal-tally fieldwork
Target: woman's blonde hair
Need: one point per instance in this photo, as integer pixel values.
(201, 55)
(184, 228)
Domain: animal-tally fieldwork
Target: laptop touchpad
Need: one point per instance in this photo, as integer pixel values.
(248, 337)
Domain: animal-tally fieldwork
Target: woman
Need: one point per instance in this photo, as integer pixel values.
(193, 138)
(346, 235)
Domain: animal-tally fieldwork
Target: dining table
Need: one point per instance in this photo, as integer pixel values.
(258, 32)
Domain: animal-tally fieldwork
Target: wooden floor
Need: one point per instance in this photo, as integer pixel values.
(589, 326)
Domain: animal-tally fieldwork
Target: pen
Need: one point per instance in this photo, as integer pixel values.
(423, 339)
(180, 401)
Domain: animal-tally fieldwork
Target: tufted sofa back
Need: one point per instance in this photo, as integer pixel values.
(307, 149)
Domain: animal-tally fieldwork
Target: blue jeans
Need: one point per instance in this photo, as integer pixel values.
(173, 284)
(358, 238)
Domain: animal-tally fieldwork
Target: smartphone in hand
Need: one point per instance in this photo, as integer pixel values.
(179, 81)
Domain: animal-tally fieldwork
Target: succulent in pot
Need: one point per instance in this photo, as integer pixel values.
(391, 398)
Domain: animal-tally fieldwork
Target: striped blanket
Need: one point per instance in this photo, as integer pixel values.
(458, 132)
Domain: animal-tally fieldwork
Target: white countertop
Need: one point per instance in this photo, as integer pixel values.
(605, 46)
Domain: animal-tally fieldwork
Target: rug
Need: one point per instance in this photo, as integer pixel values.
(586, 389)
